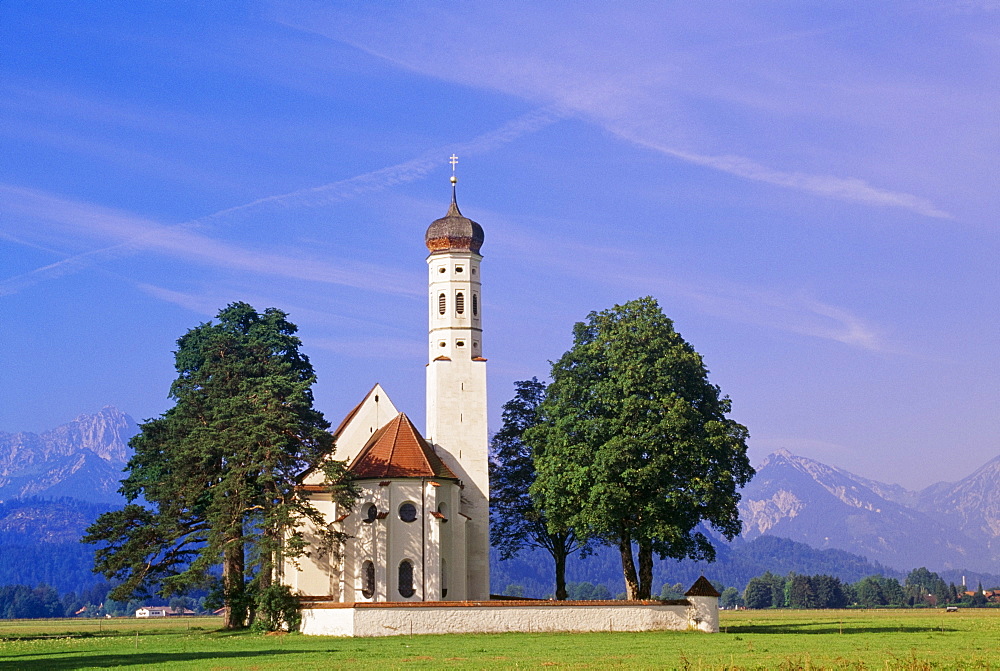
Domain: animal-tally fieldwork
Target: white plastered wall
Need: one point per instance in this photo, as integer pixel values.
(701, 614)
(456, 398)
(374, 412)
(317, 573)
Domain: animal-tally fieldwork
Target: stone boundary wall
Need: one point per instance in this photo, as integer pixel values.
(328, 618)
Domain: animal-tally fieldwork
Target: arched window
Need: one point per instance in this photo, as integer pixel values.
(475, 305)
(443, 511)
(441, 304)
(406, 579)
(444, 578)
(371, 512)
(460, 303)
(368, 579)
(408, 512)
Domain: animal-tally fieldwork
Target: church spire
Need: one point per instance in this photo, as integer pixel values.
(456, 376)
(454, 180)
(454, 232)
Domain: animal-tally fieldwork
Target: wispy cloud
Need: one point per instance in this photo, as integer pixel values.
(828, 186)
(790, 311)
(133, 233)
(378, 344)
(407, 171)
(640, 89)
(793, 312)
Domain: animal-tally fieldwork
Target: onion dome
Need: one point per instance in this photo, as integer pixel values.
(453, 232)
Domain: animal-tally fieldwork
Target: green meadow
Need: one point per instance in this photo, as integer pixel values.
(834, 639)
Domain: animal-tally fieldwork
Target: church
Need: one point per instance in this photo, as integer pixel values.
(419, 530)
(416, 554)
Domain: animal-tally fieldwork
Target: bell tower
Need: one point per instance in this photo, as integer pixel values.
(456, 376)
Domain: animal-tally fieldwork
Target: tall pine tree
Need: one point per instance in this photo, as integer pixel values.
(217, 472)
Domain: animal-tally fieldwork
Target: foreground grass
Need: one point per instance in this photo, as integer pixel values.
(920, 639)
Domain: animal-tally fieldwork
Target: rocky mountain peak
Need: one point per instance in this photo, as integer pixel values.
(82, 458)
(947, 525)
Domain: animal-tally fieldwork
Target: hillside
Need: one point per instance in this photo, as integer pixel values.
(40, 543)
(736, 563)
(799, 515)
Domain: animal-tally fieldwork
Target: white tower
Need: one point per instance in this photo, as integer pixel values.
(456, 376)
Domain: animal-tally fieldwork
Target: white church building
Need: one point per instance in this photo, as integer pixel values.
(420, 529)
(416, 558)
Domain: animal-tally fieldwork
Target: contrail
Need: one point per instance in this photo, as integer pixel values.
(333, 192)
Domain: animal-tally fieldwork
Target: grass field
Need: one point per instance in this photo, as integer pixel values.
(908, 639)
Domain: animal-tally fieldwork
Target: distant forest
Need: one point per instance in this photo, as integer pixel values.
(531, 573)
(46, 572)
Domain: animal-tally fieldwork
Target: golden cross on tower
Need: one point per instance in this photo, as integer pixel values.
(453, 160)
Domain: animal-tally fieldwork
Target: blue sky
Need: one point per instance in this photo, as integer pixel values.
(810, 190)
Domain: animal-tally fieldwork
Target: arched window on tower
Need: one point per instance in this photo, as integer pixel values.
(406, 579)
(460, 303)
(475, 305)
(441, 304)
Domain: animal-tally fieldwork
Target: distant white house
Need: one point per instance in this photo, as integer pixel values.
(162, 611)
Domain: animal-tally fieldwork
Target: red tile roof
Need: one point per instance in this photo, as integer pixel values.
(397, 450)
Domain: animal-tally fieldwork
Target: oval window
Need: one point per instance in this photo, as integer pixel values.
(406, 579)
(371, 512)
(368, 579)
(408, 512)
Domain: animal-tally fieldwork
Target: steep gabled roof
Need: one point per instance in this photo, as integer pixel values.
(354, 431)
(702, 587)
(397, 450)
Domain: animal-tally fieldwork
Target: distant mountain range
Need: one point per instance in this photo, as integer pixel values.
(798, 515)
(82, 459)
(949, 525)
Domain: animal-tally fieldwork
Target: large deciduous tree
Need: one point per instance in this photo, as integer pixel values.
(216, 473)
(515, 521)
(634, 445)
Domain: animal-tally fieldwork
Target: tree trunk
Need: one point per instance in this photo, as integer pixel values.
(559, 556)
(628, 564)
(645, 569)
(234, 588)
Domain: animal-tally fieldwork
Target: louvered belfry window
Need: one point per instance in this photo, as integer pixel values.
(460, 303)
(475, 304)
(441, 304)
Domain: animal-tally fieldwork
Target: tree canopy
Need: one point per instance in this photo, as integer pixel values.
(634, 445)
(515, 521)
(216, 473)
